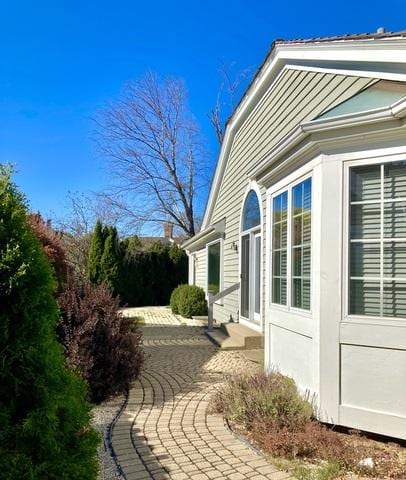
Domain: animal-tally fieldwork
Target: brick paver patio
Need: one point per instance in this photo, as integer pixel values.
(165, 432)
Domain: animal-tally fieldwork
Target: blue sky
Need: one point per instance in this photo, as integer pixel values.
(62, 60)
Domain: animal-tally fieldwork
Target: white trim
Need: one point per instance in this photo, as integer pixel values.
(287, 185)
(221, 280)
(347, 165)
(258, 229)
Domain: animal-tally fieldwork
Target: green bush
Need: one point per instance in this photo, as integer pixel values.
(45, 422)
(174, 302)
(191, 300)
(268, 399)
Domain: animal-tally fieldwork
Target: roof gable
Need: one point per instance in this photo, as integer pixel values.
(368, 58)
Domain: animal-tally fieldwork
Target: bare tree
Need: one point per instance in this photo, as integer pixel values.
(77, 225)
(156, 160)
(229, 89)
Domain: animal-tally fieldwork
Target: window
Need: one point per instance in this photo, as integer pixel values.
(251, 216)
(301, 236)
(377, 258)
(213, 267)
(279, 247)
(291, 245)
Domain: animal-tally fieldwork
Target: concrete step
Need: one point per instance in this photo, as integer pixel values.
(220, 338)
(244, 335)
(234, 336)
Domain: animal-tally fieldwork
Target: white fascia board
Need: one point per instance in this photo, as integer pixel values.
(323, 142)
(390, 50)
(382, 51)
(215, 231)
(197, 238)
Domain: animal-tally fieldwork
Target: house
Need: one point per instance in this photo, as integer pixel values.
(306, 218)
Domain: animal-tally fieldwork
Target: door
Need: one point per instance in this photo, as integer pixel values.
(251, 277)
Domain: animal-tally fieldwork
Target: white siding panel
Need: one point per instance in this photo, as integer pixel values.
(201, 268)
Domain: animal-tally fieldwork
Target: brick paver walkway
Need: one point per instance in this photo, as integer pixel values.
(165, 432)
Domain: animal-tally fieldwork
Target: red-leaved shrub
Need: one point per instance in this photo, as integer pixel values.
(102, 344)
(52, 244)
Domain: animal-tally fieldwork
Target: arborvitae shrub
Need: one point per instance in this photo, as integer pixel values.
(102, 344)
(192, 301)
(96, 252)
(45, 429)
(109, 268)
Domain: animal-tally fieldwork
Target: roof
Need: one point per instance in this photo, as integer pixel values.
(348, 36)
(335, 38)
(344, 50)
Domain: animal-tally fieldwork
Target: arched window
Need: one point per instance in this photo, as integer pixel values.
(251, 215)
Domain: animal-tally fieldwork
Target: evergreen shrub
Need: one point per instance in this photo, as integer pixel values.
(45, 421)
(191, 301)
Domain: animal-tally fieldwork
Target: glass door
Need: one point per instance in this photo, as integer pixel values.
(251, 276)
(245, 276)
(256, 276)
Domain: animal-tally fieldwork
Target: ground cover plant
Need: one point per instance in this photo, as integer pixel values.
(268, 408)
(45, 420)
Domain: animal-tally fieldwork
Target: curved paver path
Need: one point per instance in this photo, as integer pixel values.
(164, 431)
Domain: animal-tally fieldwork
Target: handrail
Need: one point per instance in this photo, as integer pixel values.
(213, 298)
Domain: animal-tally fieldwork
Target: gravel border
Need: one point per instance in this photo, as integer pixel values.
(104, 417)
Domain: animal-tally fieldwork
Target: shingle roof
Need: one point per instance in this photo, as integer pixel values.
(348, 36)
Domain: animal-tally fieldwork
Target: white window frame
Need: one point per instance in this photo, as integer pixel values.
(221, 241)
(289, 277)
(354, 318)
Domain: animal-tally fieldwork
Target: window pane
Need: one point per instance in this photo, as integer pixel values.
(306, 258)
(279, 245)
(365, 298)
(395, 180)
(394, 220)
(394, 299)
(297, 261)
(245, 276)
(366, 183)
(276, 290)
(297, 230)
(284, 263)
(394, 259)
(297, 199)
(214, 267)
(365, 259)
(307, 195)
(306, 294)
(307, 230)
(301, 238)
(365, 221)
(251, 212)
(276, 263)
(297, 293)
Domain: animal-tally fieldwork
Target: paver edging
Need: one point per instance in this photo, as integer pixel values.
(110, 434)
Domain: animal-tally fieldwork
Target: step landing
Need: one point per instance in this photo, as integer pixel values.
(234, 336)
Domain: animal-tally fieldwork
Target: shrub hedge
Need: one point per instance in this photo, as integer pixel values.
(138, 276)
